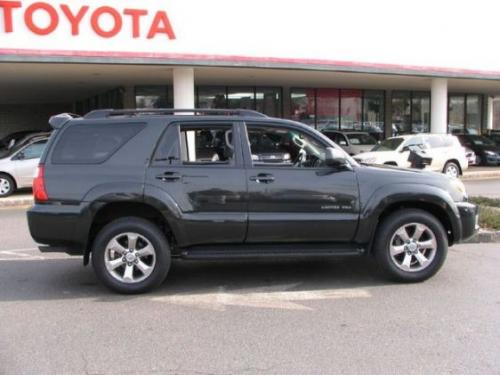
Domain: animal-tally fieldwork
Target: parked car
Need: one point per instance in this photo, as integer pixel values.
(352, 142)
(444, 151)
(136, 189)
(471, 156)
(11, 139)
(487, 152)
(19, 164)
(493, 135)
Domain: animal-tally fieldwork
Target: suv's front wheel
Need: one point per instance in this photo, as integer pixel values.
(411, 245)
(131, 255)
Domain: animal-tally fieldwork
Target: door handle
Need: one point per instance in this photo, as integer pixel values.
(169, 176)
(263, 178)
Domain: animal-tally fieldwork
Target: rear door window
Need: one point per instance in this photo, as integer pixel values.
(93, 143)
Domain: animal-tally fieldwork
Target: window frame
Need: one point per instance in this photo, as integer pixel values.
(247, 152)
(237, 161)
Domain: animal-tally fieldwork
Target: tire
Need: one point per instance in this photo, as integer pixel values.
(451, 169)
(7, 185)
(396, 266)
(130, 272)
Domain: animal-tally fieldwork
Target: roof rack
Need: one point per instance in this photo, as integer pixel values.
(103, 113)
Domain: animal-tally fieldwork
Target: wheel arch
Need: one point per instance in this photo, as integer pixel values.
(10, 176)
(110, 211)
(455, 161)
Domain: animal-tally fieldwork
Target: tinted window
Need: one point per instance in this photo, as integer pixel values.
(390, 144)
(92, 144)
(361, 139)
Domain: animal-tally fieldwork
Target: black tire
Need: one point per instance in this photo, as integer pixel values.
(451, 164)
(147, 230)
(9, 185)
(385, 234)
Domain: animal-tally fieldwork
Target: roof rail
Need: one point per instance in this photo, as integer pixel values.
(57, 121)
(103, 113)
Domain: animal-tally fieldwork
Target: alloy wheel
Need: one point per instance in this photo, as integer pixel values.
(130, 258)
(413, 247)
(4, 186)
(452, 171)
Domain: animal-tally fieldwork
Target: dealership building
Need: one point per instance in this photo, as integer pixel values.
(379, 67)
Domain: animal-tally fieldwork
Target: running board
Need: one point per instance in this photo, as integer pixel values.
(256, 251)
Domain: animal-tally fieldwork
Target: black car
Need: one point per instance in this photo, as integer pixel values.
(132, 189)
(494, 135)
(10, 140)
(487, 152)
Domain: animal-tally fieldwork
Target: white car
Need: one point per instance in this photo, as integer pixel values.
(18, 165)
(446, 153)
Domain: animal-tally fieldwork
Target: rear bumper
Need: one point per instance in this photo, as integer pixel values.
(59, 228)
(469, 220)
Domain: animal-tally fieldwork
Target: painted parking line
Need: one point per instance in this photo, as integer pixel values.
(28, 254)
(277, 299)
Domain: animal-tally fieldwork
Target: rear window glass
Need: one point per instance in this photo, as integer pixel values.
(92, 144)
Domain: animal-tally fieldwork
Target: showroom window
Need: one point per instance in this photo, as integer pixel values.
(339, 109)
(464, 114)
(266, 100)
(153, 97)
(411, 112)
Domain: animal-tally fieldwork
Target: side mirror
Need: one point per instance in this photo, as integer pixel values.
(404, 149)
(334, 157)
(19, 156)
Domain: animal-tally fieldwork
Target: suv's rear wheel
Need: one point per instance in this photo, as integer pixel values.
(411, 245)
(7, 185)
(131, 255)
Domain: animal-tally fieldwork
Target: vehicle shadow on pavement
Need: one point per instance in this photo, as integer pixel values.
(66, 278)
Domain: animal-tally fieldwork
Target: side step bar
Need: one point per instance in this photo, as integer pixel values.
(259, 251)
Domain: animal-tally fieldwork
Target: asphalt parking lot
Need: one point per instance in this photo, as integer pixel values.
(293, 317)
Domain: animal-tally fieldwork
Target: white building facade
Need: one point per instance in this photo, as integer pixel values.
(384, 67)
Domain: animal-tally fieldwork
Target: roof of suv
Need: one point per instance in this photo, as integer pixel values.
(58, 121)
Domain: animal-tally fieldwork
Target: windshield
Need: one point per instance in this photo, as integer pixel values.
(361, 139)
(481, 141)
(390, 144)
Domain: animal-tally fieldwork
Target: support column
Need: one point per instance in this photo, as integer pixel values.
(129, 97)
(489, 112)
(439, 106)
(388, 114)
(183, 88)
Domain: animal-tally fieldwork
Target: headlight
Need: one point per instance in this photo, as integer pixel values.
(458, 186)
(489, 153)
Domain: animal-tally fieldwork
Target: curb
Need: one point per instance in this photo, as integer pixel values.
(485, 236)
(16, 202)
(480, 175)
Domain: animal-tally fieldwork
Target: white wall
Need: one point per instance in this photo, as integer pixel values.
(427, 33)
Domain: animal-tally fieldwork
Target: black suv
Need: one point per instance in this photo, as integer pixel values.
(132, 189)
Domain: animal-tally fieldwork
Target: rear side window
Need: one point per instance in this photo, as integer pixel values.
(92, 144)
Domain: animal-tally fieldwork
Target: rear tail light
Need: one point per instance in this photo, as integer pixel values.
(39, 192)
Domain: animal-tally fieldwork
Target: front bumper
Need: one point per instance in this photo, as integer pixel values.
(469, 219)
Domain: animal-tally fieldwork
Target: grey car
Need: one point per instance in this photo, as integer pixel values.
(352, 142)
(18, 165)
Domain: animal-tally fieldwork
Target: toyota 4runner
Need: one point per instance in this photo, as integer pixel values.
(132, 189)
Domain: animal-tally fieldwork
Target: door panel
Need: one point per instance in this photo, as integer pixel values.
(297, 201)
(211, 195)
(25, 171)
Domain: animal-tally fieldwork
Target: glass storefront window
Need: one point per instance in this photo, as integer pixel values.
(456, 114)
(241, 97)
(211, 97)
(303, 105)
(268, 101)
(327, 108)
(421, 112)
(401, 113)
(373, 113)
(473, 123)
(152, 97)
(350, 110)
